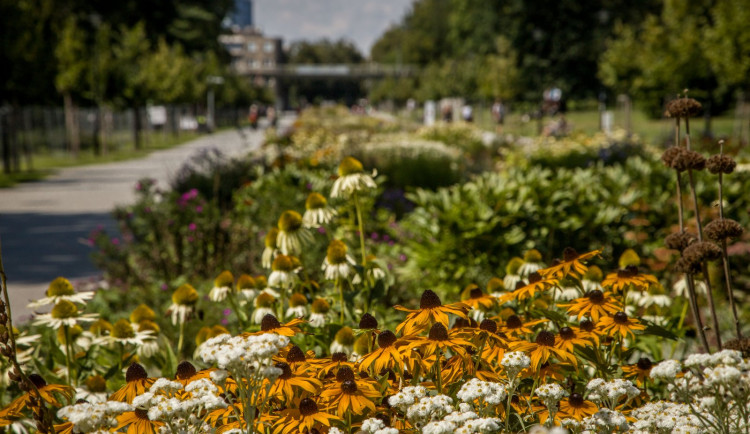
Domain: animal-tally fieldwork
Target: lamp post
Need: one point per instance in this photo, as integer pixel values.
(211, 80)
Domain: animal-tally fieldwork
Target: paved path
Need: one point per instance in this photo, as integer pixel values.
(43, 225)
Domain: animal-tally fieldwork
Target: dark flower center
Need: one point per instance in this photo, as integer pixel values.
(349, 387)
(438, 332)
(567, 333)
(308, 407)
(488, 325)
(644, 364)
(339, 357)
(514, 322)
(575, 400)
(185, 370)
(596, 296)
(295, 355)
(141, 414)
(621, 318)
(520, 284)
(545, 338)
(587, 325)
(286, 371)
(429, 300)
(37, 380)
(269, 322)
(368, 322)
(461, 323)
(569, 254)
(535, 277)
(344, 373)
(629, 271)
(386, 338)
(476, 292)
(135, 372)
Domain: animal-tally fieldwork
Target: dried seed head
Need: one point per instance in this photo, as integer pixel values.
(689, 160)
(185, 370)
(269, 322)
(683, 108)
(670, 154)
(722, 229)
(697, 253)
(368, 322)
(438, 332)
(687, 267)
(721, 163)
(429, 300)
(679, 240)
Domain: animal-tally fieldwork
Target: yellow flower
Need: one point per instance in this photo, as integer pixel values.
(639, 371)
(286, 385)
(430, 310)
(304, 419)
(620, 325)
(388, 356)
(628, 278)
(594, 304)
(136, 383)
(542, 349)
(515, 326)
(137, 422)
(571, 265)
(575, 407)
(347, 396)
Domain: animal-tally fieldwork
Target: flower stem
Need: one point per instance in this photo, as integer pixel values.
(181, 339)
(361, 225)
(341, 297)
(67, 353)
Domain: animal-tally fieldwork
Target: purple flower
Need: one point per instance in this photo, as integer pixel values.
(115, 241)
(190, 239)
(224, 321)
(309, 186)
(164, 286)
(375, 236)
(402, 257)
(199, 209)
(321, 230)
(227, 312)
(192, 226)
(391, 243)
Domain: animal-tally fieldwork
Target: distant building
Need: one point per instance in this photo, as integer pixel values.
(241, 16)
(253, 54)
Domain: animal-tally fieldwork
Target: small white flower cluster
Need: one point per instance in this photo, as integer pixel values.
(88, 418)
(551, 394)
(605, 421)
(666, 370)
(514, 362)
(238, 353)
(376, 426)
(664, 417)
(163, 404)
(482, 391)
(463, 423)
(406, 397)
(429, 408)
(610, 393)
(725, 357)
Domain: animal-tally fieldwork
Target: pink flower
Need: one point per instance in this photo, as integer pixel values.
(192, 226)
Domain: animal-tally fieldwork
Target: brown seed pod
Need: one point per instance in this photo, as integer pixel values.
(721, 163)
(682, 108)
(722, 229)
(670, 154)
(679, 240)
(684, 266)
(696, 253)
(689, 160)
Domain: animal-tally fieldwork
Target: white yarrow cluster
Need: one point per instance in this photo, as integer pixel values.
(478, 390)
(376, 426)
(610, 393)
(407, 396)
(429, 408)
(463, 423)
(605, 421)
(514, 362)
(666, 370)
(100, 416)
(664, 416)
(724, 357)
(551, 394)
(241, 353)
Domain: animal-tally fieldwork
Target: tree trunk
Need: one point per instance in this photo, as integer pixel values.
(71, 125)
(5, 139)
(137, 127)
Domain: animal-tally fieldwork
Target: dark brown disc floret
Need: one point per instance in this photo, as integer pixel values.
(308, 407)
(286, 371)
(349, 387)
(567, 333)
(621, 318)
(344, 373)
(386, 338)
(429, 300)
(269, 322)
(644, 364)
(368, 322)
(575, 400)
(339, 357)
(513, 322)
(569, 254)
(295, 354)
(135, 372)
(488, 325)
(596, 296)
(185, 370)
(438, 332)
(545, 338)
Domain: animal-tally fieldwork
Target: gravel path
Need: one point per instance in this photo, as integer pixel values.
(44, 225)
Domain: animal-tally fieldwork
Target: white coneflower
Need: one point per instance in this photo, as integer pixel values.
(61, 289)
(352, 178)
(319, 312)
(94, 390)
(297, 306)
(65, 313)
(150, 345)
(532, 262)
(512, 275)
(124, 333)
(344, 341)
(246, 286)
(270, 251)
(317, 211)
(592, 279)
(222, 286)
(374, 271)
(680, 288)
(263, 306)
(292, 234)
(337, 264)
(283, 275)
(184, 299)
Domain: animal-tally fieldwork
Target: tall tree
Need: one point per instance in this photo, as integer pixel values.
(70, 53)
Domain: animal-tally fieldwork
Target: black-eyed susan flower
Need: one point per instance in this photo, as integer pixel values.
(317, 211)
(619, 325)
(431, 310)
(62, 289)
(352, 179)
(270, 324)
(568, 339)
(575, 407)
(306, 418)
(515, 326)
(293, 235)
(186, 373)
(572, 264)
(474, 297)
(64, 314)
(337, 265)
(270, 251)
(587, 329)
(137, 422)
(332, 364)
(283, 273)
(222, 286)
(440, 339)
(629, 277)
(542, 349)
(638, 371)
(287, 384)
(136, 383)
(348, 396)
(184, 299)
(535, 285)
(50, 393)
(387, 356)
(594, 304)
(489, 340)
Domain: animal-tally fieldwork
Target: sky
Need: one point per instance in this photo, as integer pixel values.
(359, 21)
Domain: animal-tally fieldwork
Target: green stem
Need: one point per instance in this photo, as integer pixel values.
(341, 297)
(181, 340)
(438, 372)
(361, 225)
(67, 353)
(240, 314)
